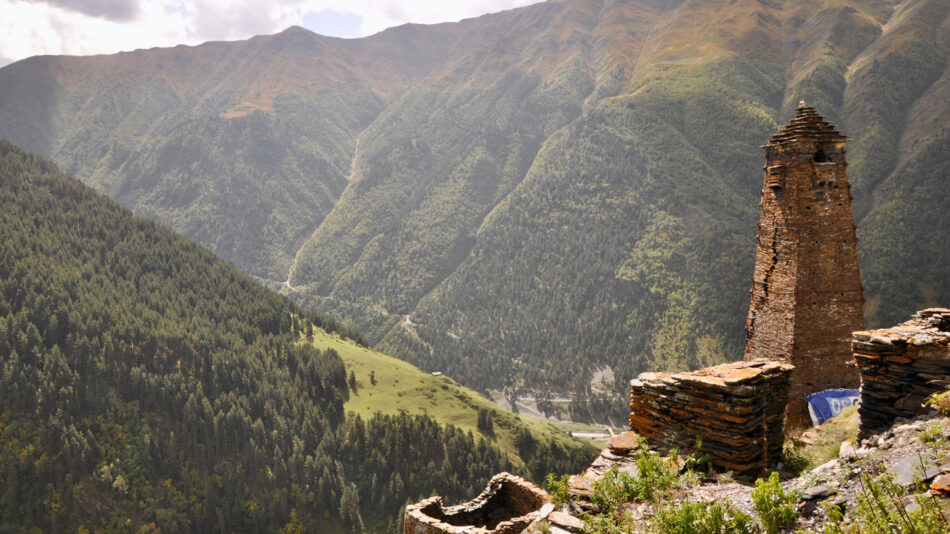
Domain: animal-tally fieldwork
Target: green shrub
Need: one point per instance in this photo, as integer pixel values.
(699, 461)
(702, 518)
(615, 489)
(657, 474)
(618, 523)
(940, 401)
(881, 510)
(557, 488)
(657, 477)
(932, 434)
(776, 507)
(794, 458)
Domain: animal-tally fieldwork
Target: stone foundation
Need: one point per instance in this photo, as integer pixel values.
(507, 506)
(736, 409)
(900, 367)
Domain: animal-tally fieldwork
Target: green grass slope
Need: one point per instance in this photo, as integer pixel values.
(390, 386)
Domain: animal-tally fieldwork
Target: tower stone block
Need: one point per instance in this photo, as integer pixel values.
(807, 296)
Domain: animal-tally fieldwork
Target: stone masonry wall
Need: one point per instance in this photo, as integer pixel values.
(901, 366)
(737, 409)
(807, 295)
(507, 506)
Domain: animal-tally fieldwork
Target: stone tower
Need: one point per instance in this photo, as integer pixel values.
(807, 296)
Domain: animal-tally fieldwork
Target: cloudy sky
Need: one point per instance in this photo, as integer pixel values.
(81, 27)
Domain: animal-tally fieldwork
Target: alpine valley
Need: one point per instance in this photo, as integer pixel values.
(545, 201)
(150, 386)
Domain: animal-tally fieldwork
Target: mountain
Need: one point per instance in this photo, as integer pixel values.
(551, 198)
(146, 384)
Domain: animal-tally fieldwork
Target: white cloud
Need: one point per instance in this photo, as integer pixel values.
(240, 19)
(75, 27)
(28, 29)
(120, 10)
(381, 14)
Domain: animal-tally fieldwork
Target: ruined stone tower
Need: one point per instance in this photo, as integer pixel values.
(807, 296)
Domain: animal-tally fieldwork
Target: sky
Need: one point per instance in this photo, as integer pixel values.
(84, 27)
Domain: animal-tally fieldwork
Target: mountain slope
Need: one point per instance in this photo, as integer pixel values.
(138, 367)
(145, 383)
(628, 243)
(528, 199)
(202, 139)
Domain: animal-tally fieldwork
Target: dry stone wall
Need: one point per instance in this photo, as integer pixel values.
(507, 506)
(736, 409)
(901, 366)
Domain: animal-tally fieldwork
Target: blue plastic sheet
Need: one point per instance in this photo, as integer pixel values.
(826, 404)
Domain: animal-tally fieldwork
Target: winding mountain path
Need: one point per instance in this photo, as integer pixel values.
(411, 328)
(349, 178)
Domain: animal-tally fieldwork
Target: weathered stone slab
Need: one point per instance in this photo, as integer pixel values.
(624, 442)
(580, 485)
(914, 468)
(941, 485)
(847, 451)
(565, 521)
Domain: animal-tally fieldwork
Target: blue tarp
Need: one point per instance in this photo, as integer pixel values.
(826, 404)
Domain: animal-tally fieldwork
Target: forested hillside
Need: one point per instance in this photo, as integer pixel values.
(528, 199)
(145, 383)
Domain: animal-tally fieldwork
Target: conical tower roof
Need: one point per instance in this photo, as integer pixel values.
(808, 125)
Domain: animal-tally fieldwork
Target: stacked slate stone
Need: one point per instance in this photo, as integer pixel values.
(507, 506)
(900, 367)
(620, 453)
(806, 292)
(736, 409)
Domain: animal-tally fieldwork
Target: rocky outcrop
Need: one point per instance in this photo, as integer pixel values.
(620, 453)
(507, 506)
(901, 366)
(735, 409)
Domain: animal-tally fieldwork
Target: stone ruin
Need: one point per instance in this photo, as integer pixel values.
(736, 409)
(507, 506)
(806, 291)
(900, 367)
(806, 300)
(620, 453)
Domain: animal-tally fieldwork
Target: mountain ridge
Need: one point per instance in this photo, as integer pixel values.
(545, 190)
